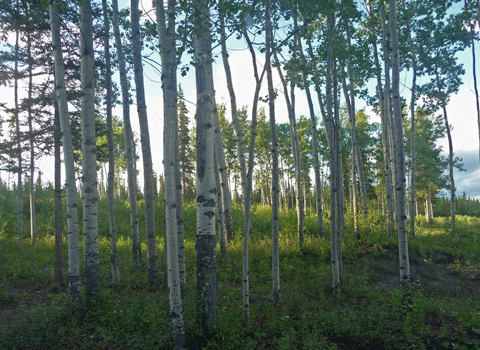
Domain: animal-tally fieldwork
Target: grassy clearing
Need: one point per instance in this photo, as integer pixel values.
(369, 314)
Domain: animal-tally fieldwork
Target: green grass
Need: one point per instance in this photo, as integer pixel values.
(367, 315)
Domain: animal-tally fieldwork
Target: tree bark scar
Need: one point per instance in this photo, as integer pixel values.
(209, 214)
(209, 203)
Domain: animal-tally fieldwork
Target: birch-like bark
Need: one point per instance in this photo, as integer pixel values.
(248, 186)
(166, 35)
(206, 242)
(275, 187)
(384, 110)
(316, 162)
(356, 154)
(388, 108)
(152, 268)
(349, 99)
(399, 151)
(70, 185)
(222, 169)
(89, 156)
(180, 225)
(412, 131)
(339, 161)
(220, 212)
(295, 152)
(330, 129)
(129, 152)
(111, 159)
(233, 106)
(57, 135)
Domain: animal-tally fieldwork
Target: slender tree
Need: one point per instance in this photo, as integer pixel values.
(31, 140)
(129, 142)
(111, 159)
(89, 155)
(333, 153)
(166, 34)
(58, 200)
(233, 102)
(205, 238)
(248, 185)
(19, 144)
(70, 185)
(146, 149)
(290, 100)
(474, 66)
(413, 52)
(313, 122)
(401, 217)
(275, 182)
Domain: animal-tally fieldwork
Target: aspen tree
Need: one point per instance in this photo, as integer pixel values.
(334, 171)
(89, 157)
(233, 102)
(152, 268)
(129, 142)
(384, 124)
(413, 97)
(399, 152)
(111, 161)
(275, 182)
(58, 199)
(166, 35)
(205, 238)
(70, 185)
(313, 121)
(222, 169)
(220, 213)
(248, 185)
(290, 101)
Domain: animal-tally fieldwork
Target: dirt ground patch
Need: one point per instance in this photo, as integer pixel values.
(438, 273)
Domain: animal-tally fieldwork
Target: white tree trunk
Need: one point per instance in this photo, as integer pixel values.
(248, 186)
(70, 185)
(111, 159)
(275, 179)
(166, 36)
(412, 131)
(58, 200)
(334, 174)
(222, 168)
(152, 268)
(399, 152)
(220, 212)
(206, 284)
(295, 152)
(89, 156)
(233, 108)
(129, 153)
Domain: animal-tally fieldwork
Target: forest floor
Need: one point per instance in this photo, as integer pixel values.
(438, 273)
(444, 311)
